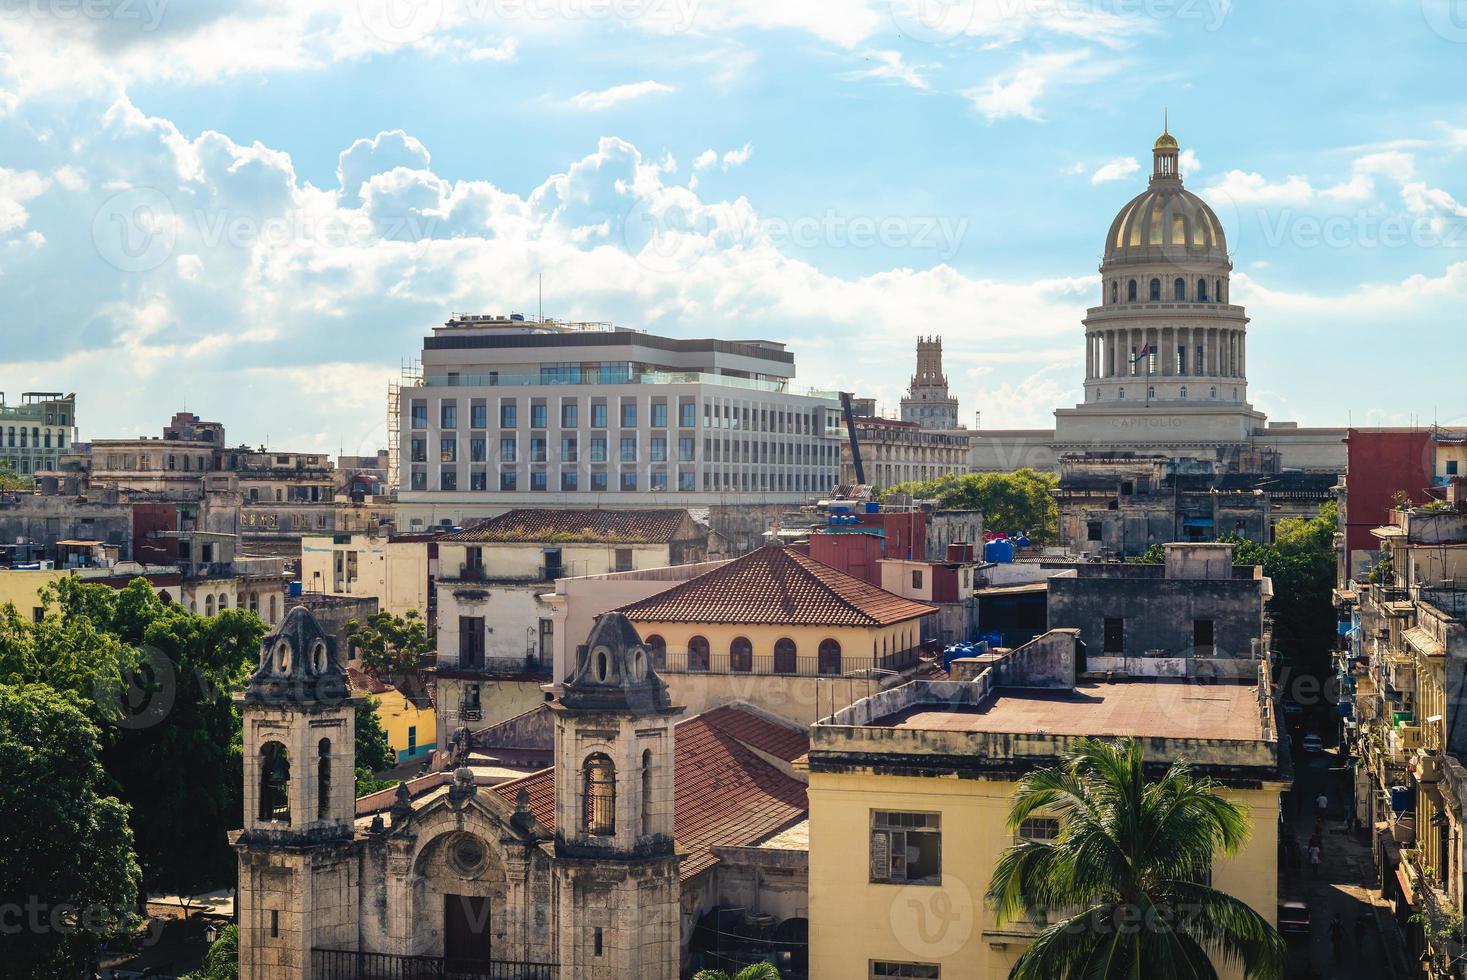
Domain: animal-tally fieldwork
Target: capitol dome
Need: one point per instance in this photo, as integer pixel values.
(1166, 221)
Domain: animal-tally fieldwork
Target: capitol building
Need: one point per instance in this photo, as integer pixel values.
(1166, 352)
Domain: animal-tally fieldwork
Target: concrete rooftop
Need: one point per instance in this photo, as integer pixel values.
(1146, 708)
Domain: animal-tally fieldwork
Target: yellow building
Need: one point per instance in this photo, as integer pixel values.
(919, 780)
(411, 727)
(780, 630)
(22, 587)
(395, 569)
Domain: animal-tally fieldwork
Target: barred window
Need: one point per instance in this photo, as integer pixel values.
(599, 795)
(1039, 829)
(906, 847)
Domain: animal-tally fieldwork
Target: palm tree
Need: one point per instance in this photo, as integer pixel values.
(755, 971)
(1130, 863)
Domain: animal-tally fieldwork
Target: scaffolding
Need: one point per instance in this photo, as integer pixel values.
(411, 376)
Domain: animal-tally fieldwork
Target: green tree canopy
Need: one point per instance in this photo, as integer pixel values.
(66, 851)
(374, 754)
(221, 962)
(1126, 874)
(1018, 501)
(392, 647)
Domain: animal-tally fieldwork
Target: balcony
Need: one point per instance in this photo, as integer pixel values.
(474, 668)
(767, 665)
(340, 964)
(1402, 743)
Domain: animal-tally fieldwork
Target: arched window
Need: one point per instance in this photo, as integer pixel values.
(1213, 392)
(272, 609)
(1155, 290)
(1114, 290)
(698, 653)
(1184, 392)
(255, 603)
(274, 782)
(657, 647)
(1131, 291)
(208, 605)
(1179, 289)
(323, 779)
(1217, 290)
(741, 655)
(1202, 290)
(829, 657)
(1121, 393)
(598, 795)
(646, 792)
(784, 656)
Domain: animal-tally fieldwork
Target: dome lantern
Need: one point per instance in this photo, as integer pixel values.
(1164, 155)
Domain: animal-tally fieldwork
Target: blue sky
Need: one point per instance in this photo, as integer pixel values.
(257, 208)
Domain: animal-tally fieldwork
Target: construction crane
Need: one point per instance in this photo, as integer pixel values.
(850, 414)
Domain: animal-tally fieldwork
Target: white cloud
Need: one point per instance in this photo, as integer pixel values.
(1188, 162)
(735, 158)
(17, 187)
(1241, 187)
(1117, 169)
(608, 97)
(503, 52)
(705, 159)
(890, 66)
(1016, 93)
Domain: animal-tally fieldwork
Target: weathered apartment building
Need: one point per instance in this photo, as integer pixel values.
(37, 432)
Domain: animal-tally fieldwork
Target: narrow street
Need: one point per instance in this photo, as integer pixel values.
(1346, 885)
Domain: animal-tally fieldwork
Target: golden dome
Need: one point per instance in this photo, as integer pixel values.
(1166, 221)
(1166, 141)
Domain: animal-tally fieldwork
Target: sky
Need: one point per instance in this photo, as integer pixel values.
(255, 209)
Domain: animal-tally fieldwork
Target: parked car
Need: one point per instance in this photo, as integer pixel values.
(1313, 743)
(1293, 919)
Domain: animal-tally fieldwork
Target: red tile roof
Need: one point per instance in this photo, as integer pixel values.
(776, 586)
(610, 526)
(725, 794)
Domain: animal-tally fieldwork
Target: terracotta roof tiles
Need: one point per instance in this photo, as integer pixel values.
(776, 586)
(610, 526)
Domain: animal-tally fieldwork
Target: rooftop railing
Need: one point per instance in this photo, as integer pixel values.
(341, 964)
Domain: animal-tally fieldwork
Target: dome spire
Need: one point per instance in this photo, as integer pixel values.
(1164, 152)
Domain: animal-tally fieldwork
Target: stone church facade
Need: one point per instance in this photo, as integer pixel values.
(458, 882)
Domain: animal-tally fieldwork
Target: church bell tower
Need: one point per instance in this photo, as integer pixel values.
(297, 870)
(616, 867)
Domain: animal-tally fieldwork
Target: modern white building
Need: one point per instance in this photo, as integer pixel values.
(520, 413)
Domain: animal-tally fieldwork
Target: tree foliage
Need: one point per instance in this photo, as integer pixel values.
(13, 481)
(392, 647)
(1018, 501)
(1125, 875)
(221, 962)
(66, 851)
(754, 971)
(157, 681)
(374, 754)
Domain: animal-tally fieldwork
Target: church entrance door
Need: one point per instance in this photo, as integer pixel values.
(466, 933)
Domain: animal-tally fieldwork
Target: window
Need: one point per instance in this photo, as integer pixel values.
(659, 449)
(1092, 530)
(1179, 289)
(274, 782)
(538, 480)
(1113, 292)
(508, 415)
(883, 970)
(698, 653)
(598, 479)
(539, 416)
(471, 642)
(1451, 467)
(659, 415)
(1131, 291)
(1202, 290)
(1183, 392)
(785, 659)
(1115, 635)
(623, 559)
(1155, 292)
(685, 447)
(741, 655)
(829, 656)
(687, 413)
(659, 480)
(568, 415)
(448, 415)
(569, 480)
(629, 480)
(419, 417)
(628, 414)
(629, 449)
(507, 450)
(598, 814)
(478, 480)
(323, 779)
(598, 415)
(569, 449)
(596, 941)
(448, 450)
(417, 453)
(448, 479)
(916, 578)
(477, 449)
(906, 847)
(508, 480)
(657, 648)
(686, 480)
(1039, 829)
(646, 792)
(598, 449)
(478, 416)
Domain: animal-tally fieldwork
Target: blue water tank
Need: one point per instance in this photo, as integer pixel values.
(1023, 541)
(873, 507)
(999, 551)
(1400, 799)
(295, 588)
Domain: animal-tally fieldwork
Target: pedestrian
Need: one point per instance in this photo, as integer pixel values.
(1314, 856)
(1321, 805)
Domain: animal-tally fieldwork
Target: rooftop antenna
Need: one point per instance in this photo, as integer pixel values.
(1166, 121)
